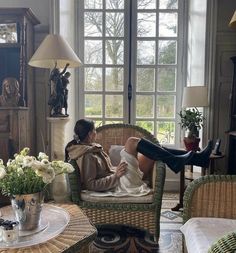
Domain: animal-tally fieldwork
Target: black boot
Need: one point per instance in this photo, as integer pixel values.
(156, 152)
(200, 159)
(176, 151)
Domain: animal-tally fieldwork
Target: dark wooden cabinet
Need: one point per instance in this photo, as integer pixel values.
(16, 48)
(17, 124)
(232, 130)
(14, 127)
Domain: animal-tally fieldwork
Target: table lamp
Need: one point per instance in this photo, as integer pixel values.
(54, 52)
(232, 22)
(195, 96)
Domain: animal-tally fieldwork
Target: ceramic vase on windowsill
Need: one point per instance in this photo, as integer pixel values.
(192, 144)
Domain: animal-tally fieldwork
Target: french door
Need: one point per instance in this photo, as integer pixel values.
(132, 63)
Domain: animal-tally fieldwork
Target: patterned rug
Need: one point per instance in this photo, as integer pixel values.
(124, 239)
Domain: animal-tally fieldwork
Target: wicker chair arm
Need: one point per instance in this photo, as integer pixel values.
(158, 181)
(225, 244)
(211, 196)
(75, 183)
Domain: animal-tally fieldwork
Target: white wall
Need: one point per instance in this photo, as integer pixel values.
(196, 42)
(67, 30)
(39, 7)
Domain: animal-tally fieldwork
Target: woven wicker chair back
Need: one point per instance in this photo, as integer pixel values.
(117, 134)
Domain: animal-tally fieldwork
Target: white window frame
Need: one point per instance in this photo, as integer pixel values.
(181, 74)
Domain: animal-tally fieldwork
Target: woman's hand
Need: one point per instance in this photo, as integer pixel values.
(121, 169)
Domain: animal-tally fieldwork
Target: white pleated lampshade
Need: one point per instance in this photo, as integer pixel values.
(232, 22)
(195, 96)
(54, 49)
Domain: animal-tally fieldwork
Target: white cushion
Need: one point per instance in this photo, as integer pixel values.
(114, 154)
(106, 198)
(201, 233)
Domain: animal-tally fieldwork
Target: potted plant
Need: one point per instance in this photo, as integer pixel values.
(24, 180)
(192, 121)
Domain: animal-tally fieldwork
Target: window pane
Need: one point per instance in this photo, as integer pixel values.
(168, 24)
(167, 52)
(97, 123)
(146, 26)
(8, 33)
(148, 125)
(114, 106)
(145, 79)
(93, 24)
(113, 121)
(93, 51)
(144, 106)
(166, 132)
(93, 4)
(115, 4)
(166, 79)
(114, 24)
(93, 105)
(145, 52)
(168, 4)
(114, 52)
(114, 79)
(93, 79)
(146, 4)
(165, 106)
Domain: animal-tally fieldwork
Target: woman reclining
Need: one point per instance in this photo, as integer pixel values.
(96, 171)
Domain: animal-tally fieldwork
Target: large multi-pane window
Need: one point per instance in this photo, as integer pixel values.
(131, 54)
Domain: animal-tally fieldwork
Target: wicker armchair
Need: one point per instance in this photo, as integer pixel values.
(213, 196)
(126, 210)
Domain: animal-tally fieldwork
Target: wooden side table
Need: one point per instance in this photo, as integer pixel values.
(76, 237)
(183, 176)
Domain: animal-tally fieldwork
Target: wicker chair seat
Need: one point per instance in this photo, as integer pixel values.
(141, 212)
(110, 199)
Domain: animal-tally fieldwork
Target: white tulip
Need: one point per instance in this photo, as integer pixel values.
(2, 172)
(28, 161)
(49, 175)
(42, 156)
(69, 168)
(45, 162)
(20, 171)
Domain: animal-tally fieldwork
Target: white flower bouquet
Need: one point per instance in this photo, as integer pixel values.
(27, 174)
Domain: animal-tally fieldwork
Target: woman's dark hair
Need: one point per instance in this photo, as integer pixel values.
(81, 130)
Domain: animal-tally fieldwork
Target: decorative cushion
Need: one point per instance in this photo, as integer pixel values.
(201, 233)
(114, 154)
(145, 164)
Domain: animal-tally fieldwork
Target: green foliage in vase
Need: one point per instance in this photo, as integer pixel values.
(27, 174)
(191, 120)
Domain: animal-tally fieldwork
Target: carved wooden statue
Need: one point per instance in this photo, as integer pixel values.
(10, 93)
